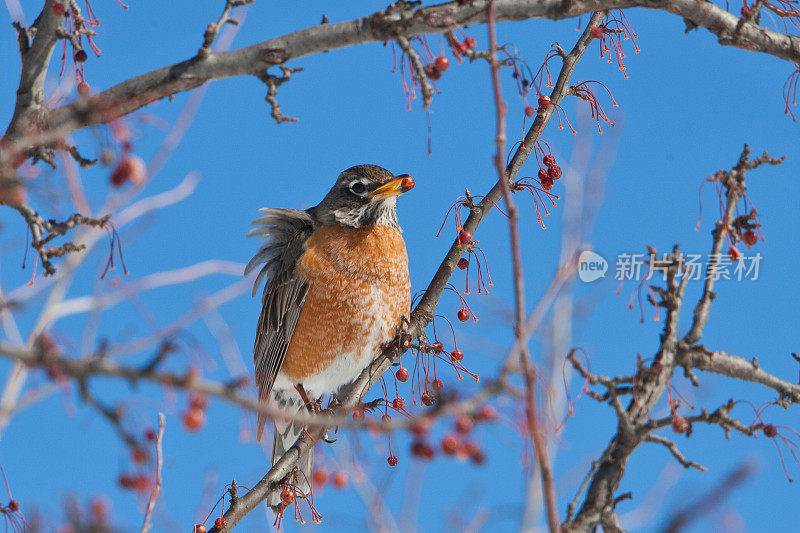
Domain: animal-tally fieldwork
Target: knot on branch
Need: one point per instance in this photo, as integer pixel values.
(272, 83)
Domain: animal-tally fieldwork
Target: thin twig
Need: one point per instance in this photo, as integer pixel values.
(162, 424)
(534, 428)
(673, 448)
(419, 71)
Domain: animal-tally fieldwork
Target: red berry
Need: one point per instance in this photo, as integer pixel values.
(358, 414)
(549, 160)
(427, 399)
(83, 88)
(770, 431)
(486, 413)
(449, 445)
(470, 43)
(80, 56)
(464, 424)
(99, 507)
(59, 9)
(477, 456)
(734, 254)
(287, 496)
(392, 460)
(140, 455)
(547, 183)
(460, 48)
(463, 263)
(140, 483)
(421, 427)
(442, 63)
(464, 237)
(130, 168)
(199, 528)
(745, 10)
(150, 435)
(340, 480)
(530, 111)
(597, 32)
(463, 314)
(402, 375)
(13, 506)
(125, 481)
(194, 419)
(544, 101)
(408, 182)
(437, 347)
(749, 238)
(554, 172)
(437, 384)
(220, 522)
(456, 356)
(542, 175)
(198, 401)
(679, 424)
(422, 449)
(399, 403)
(320, 476)
(432, 72)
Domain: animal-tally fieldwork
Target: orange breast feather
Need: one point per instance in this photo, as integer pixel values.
(358, 291)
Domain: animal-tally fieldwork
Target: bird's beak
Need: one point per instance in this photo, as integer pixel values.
(396, 187)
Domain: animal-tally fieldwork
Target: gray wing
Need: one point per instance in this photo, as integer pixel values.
(284, 293)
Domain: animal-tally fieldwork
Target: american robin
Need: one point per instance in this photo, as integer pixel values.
(337, 289)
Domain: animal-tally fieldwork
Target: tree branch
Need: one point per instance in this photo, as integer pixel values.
(137, 92)
(733, 366)
(673, 449)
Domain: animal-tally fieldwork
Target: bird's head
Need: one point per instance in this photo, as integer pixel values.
(362, 196)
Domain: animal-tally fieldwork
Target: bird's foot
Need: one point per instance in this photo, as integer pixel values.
(304, 396)
(326, 438)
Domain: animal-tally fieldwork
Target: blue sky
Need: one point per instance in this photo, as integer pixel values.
(685, 112)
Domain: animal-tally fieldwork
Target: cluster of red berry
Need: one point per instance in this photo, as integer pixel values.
(321, 477)
(460, 47)
(135, 482)
(547, 176)
(129, 168)
(78, 27)
(456, 443)
(219, 523)
(434, 70)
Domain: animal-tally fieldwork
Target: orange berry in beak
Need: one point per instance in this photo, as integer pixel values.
(408, 182)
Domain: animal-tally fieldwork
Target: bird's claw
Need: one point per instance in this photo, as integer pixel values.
(374, 404)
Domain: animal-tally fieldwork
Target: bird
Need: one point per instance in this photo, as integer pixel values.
(337, 289)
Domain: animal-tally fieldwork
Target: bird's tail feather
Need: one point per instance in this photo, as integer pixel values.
(286, 434)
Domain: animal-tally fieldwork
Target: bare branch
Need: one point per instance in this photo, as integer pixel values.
(39, 227)
(734, 183)
(673, 448)
(701, 506)
(381, 26)
(733, 366)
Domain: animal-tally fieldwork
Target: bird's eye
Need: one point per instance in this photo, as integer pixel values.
(358, 188)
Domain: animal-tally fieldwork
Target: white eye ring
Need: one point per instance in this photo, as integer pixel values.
(358, 188)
